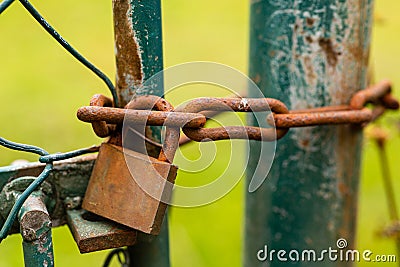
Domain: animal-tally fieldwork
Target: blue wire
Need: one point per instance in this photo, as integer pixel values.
(67, 155)
(5, 4)
(23, 147)
(69, 48)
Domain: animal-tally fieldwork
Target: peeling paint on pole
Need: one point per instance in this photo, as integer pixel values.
(138, 47)
(127, 52)
(308, 54)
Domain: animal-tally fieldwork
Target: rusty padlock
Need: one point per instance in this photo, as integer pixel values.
(132, 188)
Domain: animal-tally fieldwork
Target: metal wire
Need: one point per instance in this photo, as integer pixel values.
(5, 4)
(23, 147)
(68, 155)
(39, 18)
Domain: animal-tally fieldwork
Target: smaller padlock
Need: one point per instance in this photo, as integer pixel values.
(93, 233)
(132, 188)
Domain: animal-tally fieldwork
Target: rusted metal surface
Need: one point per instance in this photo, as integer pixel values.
(321, 109)
(354, 113)
(103, 119)
(35, 227)
(378, 94)
(183, 139)
(127, 186)
(321, 118)
(93, 233)
(171, 142)
(157, 118)
(101, 128)
(192, 116)
(373, 94)
(234, 132)
(115, 194)
(128, 57)
(138, 47)
(234, 104)
(151, 102)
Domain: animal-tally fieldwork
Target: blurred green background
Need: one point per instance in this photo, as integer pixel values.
(42, 86)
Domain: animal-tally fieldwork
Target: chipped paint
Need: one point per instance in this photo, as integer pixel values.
(308, 54)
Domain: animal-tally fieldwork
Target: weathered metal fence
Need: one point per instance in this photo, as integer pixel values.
(311, 55)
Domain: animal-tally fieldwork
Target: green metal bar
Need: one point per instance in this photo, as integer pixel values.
(307, 54)
(138, 42)
(35, 227)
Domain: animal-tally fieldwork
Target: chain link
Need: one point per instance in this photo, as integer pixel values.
(192, 120)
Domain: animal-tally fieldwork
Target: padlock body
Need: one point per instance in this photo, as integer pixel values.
(129, 195)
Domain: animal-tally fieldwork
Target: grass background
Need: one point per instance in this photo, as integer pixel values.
(42, 87)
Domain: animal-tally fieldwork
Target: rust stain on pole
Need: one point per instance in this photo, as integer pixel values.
(127, 52)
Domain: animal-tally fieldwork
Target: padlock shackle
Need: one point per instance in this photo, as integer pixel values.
(171, 141)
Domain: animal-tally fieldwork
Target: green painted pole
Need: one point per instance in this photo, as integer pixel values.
(139, 55)
(307, 54)
(35, 227)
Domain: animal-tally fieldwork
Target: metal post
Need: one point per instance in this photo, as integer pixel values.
(35, 227)
(138, 44)
(307, 54)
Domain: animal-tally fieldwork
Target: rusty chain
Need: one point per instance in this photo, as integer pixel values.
(192, 117)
